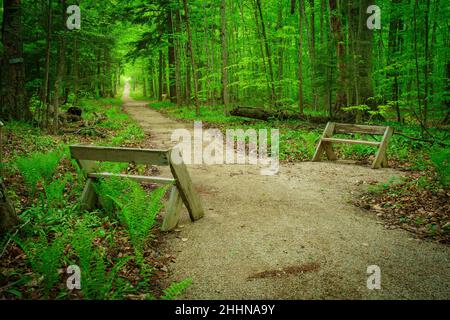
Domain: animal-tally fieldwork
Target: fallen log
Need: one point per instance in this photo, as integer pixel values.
(265, 115)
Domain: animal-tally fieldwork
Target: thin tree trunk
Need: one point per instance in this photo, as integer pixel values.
(60, 70)
(160, 76)
(225, 97)
(336, 30)
(300, 58)
(191, 53)
(269, 56)
(171, 52)
(46, 82)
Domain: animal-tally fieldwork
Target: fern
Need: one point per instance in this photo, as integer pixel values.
(45, 258)
(139, 214)
(134, 208)
(176, 289)
(54, 192)
(37, 168)
(96, 281)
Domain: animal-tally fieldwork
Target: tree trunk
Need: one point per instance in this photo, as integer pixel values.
(46, 82)
(60, 69)
(268, 53)
(225, 97)
(300, 58)
(191, 53)
(160, 76)
(8, 217)
(336, 30)
(13, 97)
(264, 114)
(394, 47)
(172, 63)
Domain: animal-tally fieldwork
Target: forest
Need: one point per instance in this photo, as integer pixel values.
(122, 74)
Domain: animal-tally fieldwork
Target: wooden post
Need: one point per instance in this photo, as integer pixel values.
(381, 158)
(325, 146)
(173, 210)
(89, 198)
(186, 188)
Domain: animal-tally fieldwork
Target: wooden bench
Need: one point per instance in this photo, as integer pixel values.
(327, 141)
(182, 191)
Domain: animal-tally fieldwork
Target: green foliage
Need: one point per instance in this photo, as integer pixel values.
(296, 144)
(176, 289)
(385, 186)
(54, 191)
(130, 134)
(96, 281)
(45, 258)
(440, 159)
(138, 211)
(39, 167)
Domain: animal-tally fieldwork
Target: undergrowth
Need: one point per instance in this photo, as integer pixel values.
(55, 234)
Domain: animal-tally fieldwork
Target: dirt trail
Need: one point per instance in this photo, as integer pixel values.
(292, 236)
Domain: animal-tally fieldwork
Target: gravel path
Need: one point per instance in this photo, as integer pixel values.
(292, 236)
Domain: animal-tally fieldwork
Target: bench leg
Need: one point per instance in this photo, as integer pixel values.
(318, 154)
(325, 146)
(173, 210)
(381, 158)
(89, 198)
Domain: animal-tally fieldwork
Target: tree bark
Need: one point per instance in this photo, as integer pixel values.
(13, 97)
(8, 217)
(172, 62)
(264, 114)
(300, 58)
(60, 71)
(192, 56)
(336, 30)
(225, 97)
(268, 53)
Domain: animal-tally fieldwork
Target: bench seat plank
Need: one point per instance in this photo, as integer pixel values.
(157, 180)
(369, 143)
(110, 154)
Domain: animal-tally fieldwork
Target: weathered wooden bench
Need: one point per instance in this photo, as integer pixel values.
(327, 141)
(182, 190)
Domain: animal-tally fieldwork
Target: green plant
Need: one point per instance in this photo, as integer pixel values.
(54, 192)
(96, 281)
(440, 159)
(176, 289)
(139, 211)
(39, 167)
(45, 258)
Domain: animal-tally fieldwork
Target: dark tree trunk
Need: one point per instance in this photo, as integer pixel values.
(264, 114)
(8, 217)
(13, 100)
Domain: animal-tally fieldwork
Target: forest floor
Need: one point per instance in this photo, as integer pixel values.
(295, 235)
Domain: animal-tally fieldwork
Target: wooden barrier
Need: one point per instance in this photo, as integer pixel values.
(182, 191)
(327, 140)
